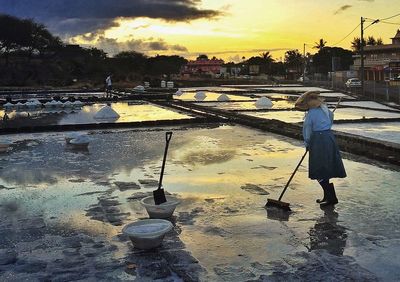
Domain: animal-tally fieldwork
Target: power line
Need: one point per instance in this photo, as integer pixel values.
(391, 17)
(346, 35)
(389, 22)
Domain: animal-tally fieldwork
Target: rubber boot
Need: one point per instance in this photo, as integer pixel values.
(331, 198)
(324, 198)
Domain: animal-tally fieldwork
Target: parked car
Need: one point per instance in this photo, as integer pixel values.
(353, 82)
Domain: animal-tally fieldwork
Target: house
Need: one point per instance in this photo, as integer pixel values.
(203, 66)
(382, 62)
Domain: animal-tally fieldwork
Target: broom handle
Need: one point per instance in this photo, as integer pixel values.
(168, 136)
(302, 158)
(291, 177)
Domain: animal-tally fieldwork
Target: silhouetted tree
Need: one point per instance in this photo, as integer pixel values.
(320, 44)
(371, 41)
(356, 44)
(379, 41)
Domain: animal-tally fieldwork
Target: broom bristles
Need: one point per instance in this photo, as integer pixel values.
(277, 204)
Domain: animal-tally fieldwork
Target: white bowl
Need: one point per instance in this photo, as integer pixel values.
(72, 135)
(147, 233)
(165, 210)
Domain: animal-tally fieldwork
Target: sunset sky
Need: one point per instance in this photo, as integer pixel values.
(228, 29)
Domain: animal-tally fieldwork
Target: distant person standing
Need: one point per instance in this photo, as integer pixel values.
(108, 86)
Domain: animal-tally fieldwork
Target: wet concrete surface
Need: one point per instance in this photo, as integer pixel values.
(62, 210)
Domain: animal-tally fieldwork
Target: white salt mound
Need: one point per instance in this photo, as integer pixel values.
(68, 104)
(139, 88)
(264, 102)
(179, 92)
(223, 98)
(8, 105)
(200, 95)
(77, 104)
(106, 113)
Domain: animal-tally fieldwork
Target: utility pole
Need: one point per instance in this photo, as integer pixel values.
(362, 55)
(305, 62)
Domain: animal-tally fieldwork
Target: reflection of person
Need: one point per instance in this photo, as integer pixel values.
(325, 161)
(327, 234)
(108, 86)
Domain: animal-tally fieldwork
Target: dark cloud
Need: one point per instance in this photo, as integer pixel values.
(113, 47)
(72, 17)
(341, 9)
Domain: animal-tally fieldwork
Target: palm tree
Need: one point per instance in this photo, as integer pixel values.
(320, 44)
(356, 44)
(267, 59)
(379, 41)
(371, 41)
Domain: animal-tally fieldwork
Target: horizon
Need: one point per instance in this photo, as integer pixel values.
(226, 29)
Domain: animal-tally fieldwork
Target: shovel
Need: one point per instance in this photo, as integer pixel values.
(159, 194)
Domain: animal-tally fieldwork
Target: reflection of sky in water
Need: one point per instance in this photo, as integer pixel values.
(365, 104)
(382, 131)
(128, 113)
(247, 105)
(210, 88)
(211, 96)
(293, 89)
(340, 114)
(207, 168)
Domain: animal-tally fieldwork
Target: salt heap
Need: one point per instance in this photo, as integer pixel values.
(77, 104)
(51, 104)
(264, 102)
(223, 98)
(139, 88)
(200, 95)
(8, 106)
(106, 113)
(68, 104)
(179, 92)
(20, 105)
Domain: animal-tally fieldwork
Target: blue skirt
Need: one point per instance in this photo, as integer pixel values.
(324, 161)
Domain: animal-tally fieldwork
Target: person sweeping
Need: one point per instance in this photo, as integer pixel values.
(325, 161)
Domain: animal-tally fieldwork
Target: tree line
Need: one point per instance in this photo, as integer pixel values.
(31, 56)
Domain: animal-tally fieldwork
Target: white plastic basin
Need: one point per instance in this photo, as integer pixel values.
(72, 135)
(147, 233)
(165, 210)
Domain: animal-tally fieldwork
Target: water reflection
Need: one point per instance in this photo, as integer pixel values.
(327, 234)
(128, 113)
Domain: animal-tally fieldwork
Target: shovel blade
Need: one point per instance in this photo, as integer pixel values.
(159, 196)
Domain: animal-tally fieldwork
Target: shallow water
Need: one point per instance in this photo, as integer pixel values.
(340, 114)
(128, 113)
(389, 131)
(72, 206)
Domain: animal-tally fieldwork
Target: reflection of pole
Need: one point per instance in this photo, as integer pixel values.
(362, 55)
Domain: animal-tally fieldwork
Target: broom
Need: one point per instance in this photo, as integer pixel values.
(283, 205)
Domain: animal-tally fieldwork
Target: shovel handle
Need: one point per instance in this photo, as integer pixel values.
(168, 136)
